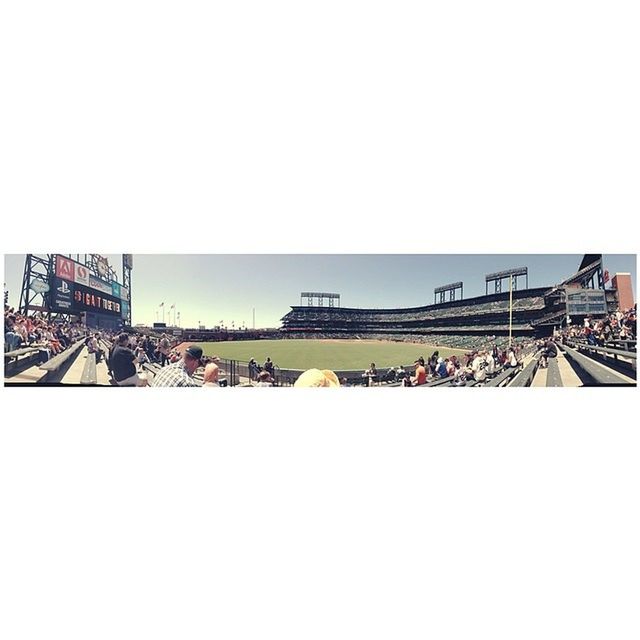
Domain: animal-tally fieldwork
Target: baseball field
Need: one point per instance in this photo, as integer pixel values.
(325, 354)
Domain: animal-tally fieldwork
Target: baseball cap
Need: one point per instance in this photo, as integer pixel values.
(195, 352)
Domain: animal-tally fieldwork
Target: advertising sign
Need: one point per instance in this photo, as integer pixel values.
(62, 295)
(87, 299)
(39, 286)
(115, 290)
(100, 285)
(81, 275)
(125, 308)
(125, 292)
(65, 268)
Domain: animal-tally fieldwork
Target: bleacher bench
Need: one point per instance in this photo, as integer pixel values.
(20, 352)
(20, 359)
(502, 377)
(57, 361)
(525, 377)
(596, 372)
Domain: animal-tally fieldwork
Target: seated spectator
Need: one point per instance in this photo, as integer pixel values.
(441, 368)
(478, 367)
(491, 363)
(460, 379)
(93, 346)
(268, 366)
(451, 366)
(141, 356)
(420, 376)
(371, 374)
(12, 337)
(122, 364)
(164, 350)
(317, 378)
(265, 379)
(211, 375)
(180, 374)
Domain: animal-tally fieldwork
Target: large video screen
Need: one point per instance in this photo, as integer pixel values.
(75, 290)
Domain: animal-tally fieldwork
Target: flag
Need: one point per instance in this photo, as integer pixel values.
(173, 306)
(162, 304)
(606, 276)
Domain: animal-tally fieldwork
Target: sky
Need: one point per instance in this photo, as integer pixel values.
(221, 289)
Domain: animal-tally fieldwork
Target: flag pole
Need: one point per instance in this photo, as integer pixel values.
(510, 309)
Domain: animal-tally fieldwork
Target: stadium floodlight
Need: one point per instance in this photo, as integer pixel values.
(518, 271)
(511, 274)
(448, 287)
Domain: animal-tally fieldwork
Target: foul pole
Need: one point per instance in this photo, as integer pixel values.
(510, 309)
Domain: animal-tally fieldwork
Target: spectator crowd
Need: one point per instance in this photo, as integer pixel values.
(620, 325)
(35, 331)
(126, 354)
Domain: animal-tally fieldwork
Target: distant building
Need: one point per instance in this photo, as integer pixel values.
(622, 283)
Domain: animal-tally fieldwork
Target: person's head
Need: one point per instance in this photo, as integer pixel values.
(264, 376)
(373, 365)
(123, 338)
(211, 372)
(192, 358)
(317, 378)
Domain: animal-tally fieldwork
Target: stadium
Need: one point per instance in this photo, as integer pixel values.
(511, 321)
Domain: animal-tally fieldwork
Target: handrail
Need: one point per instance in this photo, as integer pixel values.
(576, 344)
(600, 374)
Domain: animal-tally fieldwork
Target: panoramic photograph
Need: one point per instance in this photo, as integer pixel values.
(316, 320)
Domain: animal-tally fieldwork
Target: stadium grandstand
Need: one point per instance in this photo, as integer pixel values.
(516, 313)
(73, 329)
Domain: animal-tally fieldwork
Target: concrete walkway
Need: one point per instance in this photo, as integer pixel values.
(569, 376)
(540, 379)
(74, 373)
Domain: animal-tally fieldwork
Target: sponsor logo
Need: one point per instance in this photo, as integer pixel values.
(39, 286)
(64, 268)
(100, 285)
(64, 287)
(61, 295)
(82, 275)
(124, 291)
(90, 300)
(115, 290)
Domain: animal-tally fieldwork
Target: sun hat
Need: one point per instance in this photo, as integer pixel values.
(317, 378)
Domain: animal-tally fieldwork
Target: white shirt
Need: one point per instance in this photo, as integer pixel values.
(478, 367)
(491, 364)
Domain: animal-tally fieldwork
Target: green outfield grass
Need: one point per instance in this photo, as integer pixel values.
(325, 354)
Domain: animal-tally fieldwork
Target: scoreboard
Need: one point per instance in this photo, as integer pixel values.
(585, 302)
(74, 289)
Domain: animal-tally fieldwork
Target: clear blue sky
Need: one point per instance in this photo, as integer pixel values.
(211, 288)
